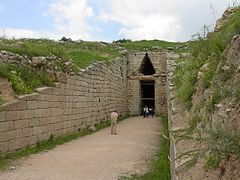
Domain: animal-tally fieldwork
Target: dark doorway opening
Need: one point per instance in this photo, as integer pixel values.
(147, 94)
(146, 66)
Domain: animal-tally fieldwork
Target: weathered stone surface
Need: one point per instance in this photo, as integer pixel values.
(29, 97)
(19, 124)
(15, 106)
(76, 103)
(4, 147)
(6, 136)
(135, 62)
(2, 116)
(6, 126)
(13, 115)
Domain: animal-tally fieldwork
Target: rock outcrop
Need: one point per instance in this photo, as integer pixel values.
(220, 22)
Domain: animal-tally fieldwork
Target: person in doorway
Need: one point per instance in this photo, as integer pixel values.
(114, 117)
(145, 111)
(151, 111)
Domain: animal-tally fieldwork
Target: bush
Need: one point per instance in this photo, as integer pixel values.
(187, 88)
(194, 121)
(213, 100)
(18, 84)
(2, 101)
(237, 93)
(24, 79)
(212, 161)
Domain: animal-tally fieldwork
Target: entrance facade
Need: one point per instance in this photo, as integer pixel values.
(147, 94)
(147, 82)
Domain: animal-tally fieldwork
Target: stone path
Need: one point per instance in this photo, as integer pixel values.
(99, 156)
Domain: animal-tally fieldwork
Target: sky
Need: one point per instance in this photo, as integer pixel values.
(108, 20)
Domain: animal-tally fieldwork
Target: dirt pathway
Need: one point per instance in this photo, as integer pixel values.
(99, 156)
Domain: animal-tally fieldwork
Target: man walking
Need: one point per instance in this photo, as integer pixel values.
(114, 117)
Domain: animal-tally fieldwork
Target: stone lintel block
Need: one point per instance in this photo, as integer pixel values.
(33, 140)
(34, 122)
(49, 98)
(29, 97)
(2, 116)
(18, 143)
(13, 115)
(19, 124)
(6, 126)
(15, 106)
(61, 77)
(4, 147)
(37, 105)
(25, 132)
(57, 133)
(59, 85)
(44, 136)
(45, 90)
(44, 121)
(6, 136)
(37, 130)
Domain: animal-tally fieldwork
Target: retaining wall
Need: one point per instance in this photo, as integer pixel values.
(78, 102)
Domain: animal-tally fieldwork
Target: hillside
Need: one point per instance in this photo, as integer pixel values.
(207, 89)
(31, 63)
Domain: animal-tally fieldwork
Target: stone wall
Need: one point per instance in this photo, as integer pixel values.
(171, 66)
(158, 59)
(77, 103)
(176, 122)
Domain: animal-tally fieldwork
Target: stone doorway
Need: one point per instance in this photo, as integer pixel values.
(147, 94)
(146, 67)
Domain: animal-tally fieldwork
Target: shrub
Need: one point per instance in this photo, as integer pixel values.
(212, 161)
(237, 93)
(187, 88)
(194, 121)
(213, 100)
(1, 100)
(24, 79)
(18, 84)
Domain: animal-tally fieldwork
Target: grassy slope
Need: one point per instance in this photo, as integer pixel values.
(25, 80)
(144, 44)
(219, 83)
(82, 53)
(211, 51)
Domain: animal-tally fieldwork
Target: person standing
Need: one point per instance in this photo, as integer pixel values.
(145, 111)
(114, 117)
(151, 111)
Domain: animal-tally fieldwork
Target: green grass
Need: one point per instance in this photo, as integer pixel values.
(144, 44)
(82, 53)
(211, 51)
(222, 144)
(161, 166)
(24, 79)
(212, 161)
(237, 93)
(83, 58)
(193, 122)
(2, 101)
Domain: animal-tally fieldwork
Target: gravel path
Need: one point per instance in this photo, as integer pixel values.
(99, 156)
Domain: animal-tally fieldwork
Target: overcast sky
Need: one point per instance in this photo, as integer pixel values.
(108, 20)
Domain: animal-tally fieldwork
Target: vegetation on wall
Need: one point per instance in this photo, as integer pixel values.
(82, 52)
(151, 44)
(24, 79)
(204, 70)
